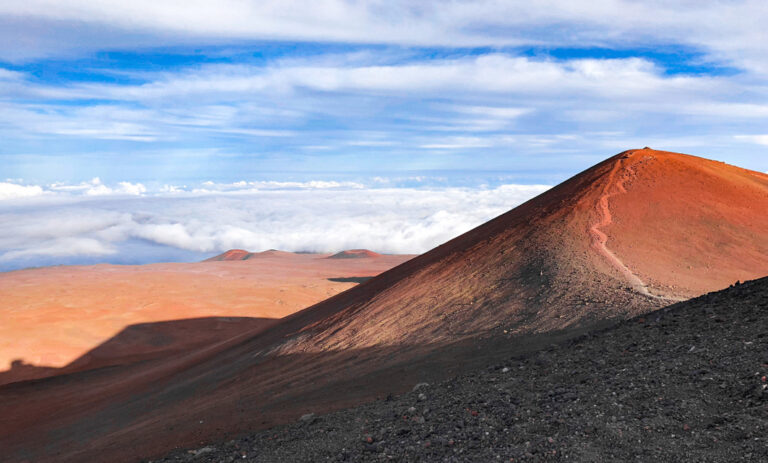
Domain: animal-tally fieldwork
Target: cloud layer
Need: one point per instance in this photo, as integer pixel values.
(59, 225)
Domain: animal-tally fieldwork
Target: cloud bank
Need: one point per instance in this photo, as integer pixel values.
(69, 224)
(732, 30)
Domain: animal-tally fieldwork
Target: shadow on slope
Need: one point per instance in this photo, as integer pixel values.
(140, 405)
(350, 279)
(143, 342)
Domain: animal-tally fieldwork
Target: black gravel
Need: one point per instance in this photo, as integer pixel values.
(687, 383)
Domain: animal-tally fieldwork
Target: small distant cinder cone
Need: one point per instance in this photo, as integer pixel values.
(232, 254)
(355, 254)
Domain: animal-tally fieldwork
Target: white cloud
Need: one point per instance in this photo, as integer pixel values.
(95, 187)
(131, 188)
(243, 187)
(96, 122)
(629, 78)
(733, 30)
(373, 143)
(13, 191)
(726, 109)
(61, 247)
(757, 139)
(285, 97)
(316, 218)
(494, 111)
(8, 75)
(451, 143)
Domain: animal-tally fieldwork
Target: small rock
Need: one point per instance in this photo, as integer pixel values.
(308, 418)
(505, 370)
(422, 397)
(201, 451)
(370, 448)
(420, 386)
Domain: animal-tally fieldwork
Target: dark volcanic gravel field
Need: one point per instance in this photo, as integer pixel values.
(687, 383)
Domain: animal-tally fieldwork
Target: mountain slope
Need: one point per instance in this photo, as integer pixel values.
(642, 229)
(686, 383)
(552, 268)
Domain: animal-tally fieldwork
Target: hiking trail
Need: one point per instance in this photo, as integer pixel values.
(601, 239)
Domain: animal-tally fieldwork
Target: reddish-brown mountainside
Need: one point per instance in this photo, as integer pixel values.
(687, 225)
(639, 230)
(632, 233)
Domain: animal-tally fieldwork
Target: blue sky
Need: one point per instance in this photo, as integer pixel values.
(398, 94)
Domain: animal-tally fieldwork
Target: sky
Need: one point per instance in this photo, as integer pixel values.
(145, 131)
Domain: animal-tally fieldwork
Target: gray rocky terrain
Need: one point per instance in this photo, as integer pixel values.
(685, 383)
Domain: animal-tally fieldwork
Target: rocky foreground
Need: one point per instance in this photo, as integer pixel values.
(686, 383)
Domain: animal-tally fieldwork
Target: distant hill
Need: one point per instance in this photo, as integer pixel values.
(355, 254)
(232, 254)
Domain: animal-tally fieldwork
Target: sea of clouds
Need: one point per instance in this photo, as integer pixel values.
(128, 223)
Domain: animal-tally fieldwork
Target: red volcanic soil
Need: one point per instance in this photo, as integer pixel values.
(53, 316)
(713, 235)
(355, 254)
(624, 237)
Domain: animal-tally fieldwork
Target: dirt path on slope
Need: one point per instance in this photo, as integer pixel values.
(601, 239)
